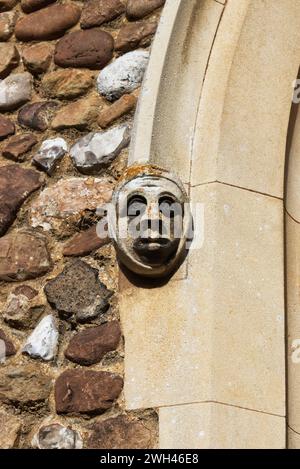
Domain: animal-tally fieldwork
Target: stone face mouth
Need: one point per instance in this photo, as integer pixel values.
(155, 251)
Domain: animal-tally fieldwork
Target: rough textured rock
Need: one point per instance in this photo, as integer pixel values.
(118, 109)
(9, 59)
(135, 35)
(85, 242)
(56, 436)
(25, 386)
(23, 307)
(6, 127)
(37, 58)
(37, 116)
(78, 292)
(97, 12)
(48, 23)
(16, 184)
(96, 150)
(137, 9)
(86, 391)
(43, 341)
(18, 146)
(91, 49)
(119, 433)
(9, 346)
(80, 114)
(23, 255)
(67, 84)
(7, 24)
(123, 75)
(89, 346)
(31, 5)
(15, 90)
(7, 4)
(50, 153)
(62, 206)
(10, 427)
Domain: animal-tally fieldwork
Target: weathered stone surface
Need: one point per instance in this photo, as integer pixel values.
(10, 427)
(119, 433)
(78, 292)
(79, 114)
(7, 4)
(86, 391)
(15, 90)
(96, 150)
(56, 436)
(48, 23)
(23, 307)
(6, 127)
(123, 75)
(23, 255)
(118, 109)
(97, 12)
(90, 48)
(135, 35)
(37, 58)
(85, 242)
(37, 116)
(7, 24)
(137, 9)
(43, 341)
(31, 5)
(18, 146)
(9, 346)
(16, 184)
(9, 59)
(89, 346)
(25, 386)
(62, 206)
(50, 153)
(67, 84)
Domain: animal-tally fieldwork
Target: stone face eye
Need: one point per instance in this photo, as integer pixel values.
(167, 206)
(136, 206)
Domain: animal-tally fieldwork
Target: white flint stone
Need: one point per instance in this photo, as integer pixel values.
(15, 90)
(123, 75)
(56, 436)
(50, 152)
(42, 343)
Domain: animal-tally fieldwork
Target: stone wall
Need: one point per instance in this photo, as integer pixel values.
(70, 75)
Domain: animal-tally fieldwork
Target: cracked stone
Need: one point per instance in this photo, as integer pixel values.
(15, 90)
(37, 58)
(67, 84)
(9, 59)
(135, 35)
(18, 146)
(43, 341)
(37, 116)
(6, 127)
(85, 242)
(56, 436)
(9, 348)
(50, 153)
(137, 9)
(7, 24)
(10, 427)
(97, 12)
(23, 307)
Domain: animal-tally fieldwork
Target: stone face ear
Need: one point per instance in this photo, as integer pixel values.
(150, 221)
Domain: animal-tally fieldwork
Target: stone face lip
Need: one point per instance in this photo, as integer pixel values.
(37, 58)
(119, 433)
(42, 343)
(97, 12)
(9, 348)
(23, 307)
(15, 90)
(79, 114)
(85, 242)
(78, 291)
(7, 24)
(67, 84)
(31, 5)
(48, 23)
(37, 116)
(18, 146)
(118, 109)
(91, 49)
(6, 127)
(7, 4)
(90, 346)
(135, 35)
(23, 255)
(137, 9)
(123, 75)
(95, 151)
(56, 436)
(9, 59)
(16, 184)
(86, 391)
(50, 153)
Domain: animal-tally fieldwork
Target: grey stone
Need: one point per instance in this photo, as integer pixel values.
(42, 342)
(49, 154)
(56, 436)
(15, 90)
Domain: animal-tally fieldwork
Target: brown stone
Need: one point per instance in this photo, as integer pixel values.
(48, 23)
(23, 307)
(10, 427)
(118, 109)
(23, 255)
(9, 346)
(9, 59)
(6, 127)
(86, 391)
(97, 12)
(67, 84)
(135, 35)
(37, 58)
(7, 24)
(37, 116)
(31, 5)
(119, 433)
(90, 48)
(137, 9)
(18, 146)
(85, 242)
(7, 4)
(16, 184)
(89, 346)
(80, 114)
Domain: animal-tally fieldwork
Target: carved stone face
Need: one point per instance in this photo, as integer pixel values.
(151, 224)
